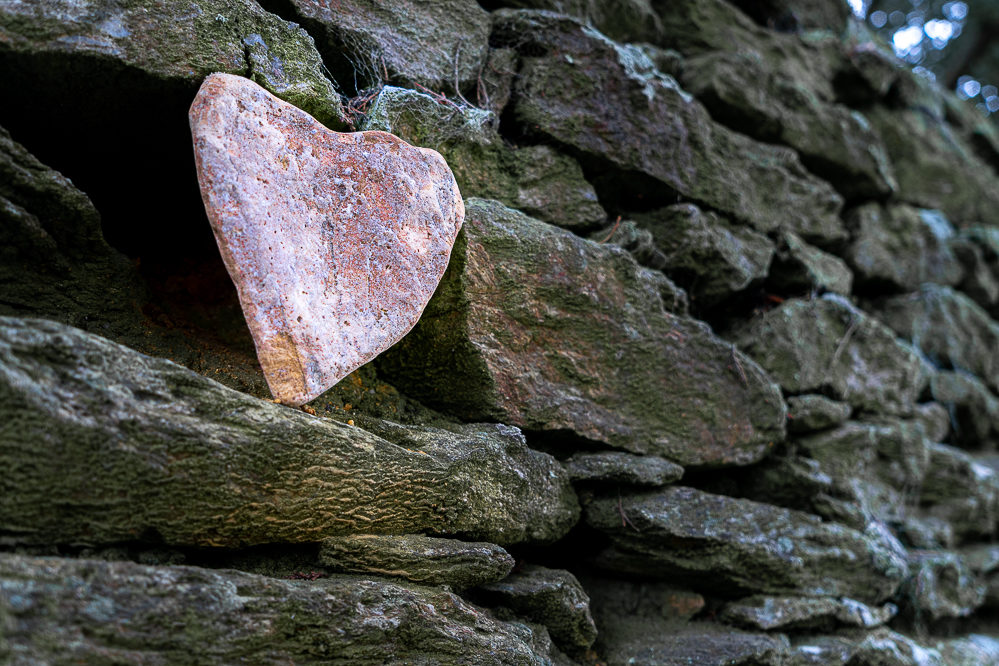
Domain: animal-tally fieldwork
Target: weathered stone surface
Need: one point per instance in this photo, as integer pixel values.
(704, 253)
(972, 408)
(551, 597)
(137, 448)
(545, 351)
(828, 345)
(335, 241)
(962, 491)
(972, 650)
(940, 585)
(172, 42)
(899, 247)
(646, 644)
(767, 613)
(976, 248)
(881, 647)
(732, 545)
(619, 467)
(611, 105)
(758, 93)
(949, 328)
(983, 560)
(621, 20)
(421, 559)
(441, 45)
(90, 611)
(933, 166)
(935, 418)
(799, 267)
(537, 180)
(811, 412)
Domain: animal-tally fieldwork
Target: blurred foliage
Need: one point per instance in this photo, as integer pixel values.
(957, 43)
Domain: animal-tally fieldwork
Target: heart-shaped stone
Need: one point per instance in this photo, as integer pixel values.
(335, 241)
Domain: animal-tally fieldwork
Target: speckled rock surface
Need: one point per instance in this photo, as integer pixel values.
(830, 345)
(788, 613)
(619, 467)
(481, 350)
(190, 462)
(335, 241)
(732, 545)
(418, 558)
(58, 609)
(810, 412)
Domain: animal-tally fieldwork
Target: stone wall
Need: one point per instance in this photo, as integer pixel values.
(712, 376)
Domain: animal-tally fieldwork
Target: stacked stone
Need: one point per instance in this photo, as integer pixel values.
(712, 375)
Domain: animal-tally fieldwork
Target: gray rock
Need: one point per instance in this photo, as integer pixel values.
(978, 250)
(586, 346)
(762, 94)
(827, 345)
(534, 179)
(899, 247)
(734, 545)
(934, 167)
(811, 412)
(174, 45)
(94, 612)
(935, 418)
(768, 613)
(983, 560)
(949, 328)
(138, 448)
(610, 104)
(881, 647)
(702, 643)
(962, 491)
(706, 254)
(619, 467)
(940, 585)
(973, 409)
(798, 15)
(417, 558)
(621, 20)
(799, 267)
(551, 597)
(973, 650)
(440, 45)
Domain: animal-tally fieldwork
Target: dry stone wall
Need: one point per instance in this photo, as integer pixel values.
(712, 376)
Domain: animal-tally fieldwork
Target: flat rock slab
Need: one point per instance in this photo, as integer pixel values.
(536, 327)
(729, 545)
(418, 558)
(552, 597)
(105, 445)
(87, 611)
(827, 345)
(335, 241)
(767, 613)
(621, 467)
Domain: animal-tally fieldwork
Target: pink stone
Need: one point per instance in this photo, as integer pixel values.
(335, 241)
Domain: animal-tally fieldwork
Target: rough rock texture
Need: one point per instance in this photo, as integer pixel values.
(609, 103)
(706, 254)
(734, 545)
(137, 447)
(335, 241)
(618, 467)
(759, 93)
(441, 45)
(537, 180)
(481, 349)
(972, 409)
(828, 345)
(551, 597)
(961, 491)
(978, 250)
(421, 559)
(802, 268)
(810, 412)
(174, 43)
(645, 644)
(949, 328)
(786, 613)
(90, 611)
(939, 585)
(900, 247)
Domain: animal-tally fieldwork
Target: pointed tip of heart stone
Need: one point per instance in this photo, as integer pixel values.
(335, 242)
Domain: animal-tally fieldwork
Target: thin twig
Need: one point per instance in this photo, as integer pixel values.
(854, 322)
(617, 223)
